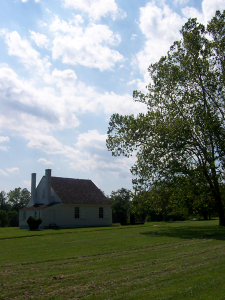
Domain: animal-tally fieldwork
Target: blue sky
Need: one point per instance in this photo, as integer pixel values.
(65, 67)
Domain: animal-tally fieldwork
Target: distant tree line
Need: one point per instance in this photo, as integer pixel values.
(10, 204)
(176, 200)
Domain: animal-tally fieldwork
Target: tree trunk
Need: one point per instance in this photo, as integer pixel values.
(214, 185)
(220, 212)
(219, 204)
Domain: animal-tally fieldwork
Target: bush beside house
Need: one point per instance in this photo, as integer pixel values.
(34, 223)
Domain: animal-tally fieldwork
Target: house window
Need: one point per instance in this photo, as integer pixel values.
(24, 215)
(77, 212)
(35, 214)
(100, 212)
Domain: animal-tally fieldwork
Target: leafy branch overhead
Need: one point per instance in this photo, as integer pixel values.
(183, 130)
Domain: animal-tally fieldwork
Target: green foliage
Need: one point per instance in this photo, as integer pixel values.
(18, 198)
(3, 218)
(13, 217)
(183, 130)
(197, 196)
(3, 201)
(11, 203)
(121, 202)
(34, 223)
(9, 218)
(161, 203)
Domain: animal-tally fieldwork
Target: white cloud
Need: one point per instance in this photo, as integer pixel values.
(29, 111)
(132, 82)
(64, 78)
(28, 56)
(25, 108)
(89, 47)
(192, 12)
(71, 27)
(45, 161)
(88, 154)
(96, 8)
(161, 27)
(46, 143)
(208, 10)
(91, 140)
(27, 183)
(13, 170)
(93, 155)
(181, 2)
(122, 104)
(4, 148)
(28, 0)
(40, 39)
(4, 139)
(133, 36)
(3, 173)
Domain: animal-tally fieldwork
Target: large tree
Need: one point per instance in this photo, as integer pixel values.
(183, 130)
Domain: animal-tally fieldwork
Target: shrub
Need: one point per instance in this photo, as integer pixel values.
(3, 218)
(34, 223)
(13, 217)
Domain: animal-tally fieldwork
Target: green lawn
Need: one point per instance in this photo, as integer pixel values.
(179, 260)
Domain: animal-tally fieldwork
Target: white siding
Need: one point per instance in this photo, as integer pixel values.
(63, 215)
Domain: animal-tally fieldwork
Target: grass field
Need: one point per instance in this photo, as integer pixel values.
(179, 260)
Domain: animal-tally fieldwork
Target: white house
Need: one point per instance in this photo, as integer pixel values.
(66, 202)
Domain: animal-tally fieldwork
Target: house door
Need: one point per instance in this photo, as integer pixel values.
(52, 217)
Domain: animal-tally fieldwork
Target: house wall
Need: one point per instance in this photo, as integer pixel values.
(51, 215)
(63, 215)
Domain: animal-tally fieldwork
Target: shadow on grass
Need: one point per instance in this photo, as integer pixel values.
(189, 232)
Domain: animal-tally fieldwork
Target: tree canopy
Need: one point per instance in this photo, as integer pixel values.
(18, 198)
(183, 130)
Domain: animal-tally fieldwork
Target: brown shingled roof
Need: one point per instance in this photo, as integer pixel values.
(78, 191)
